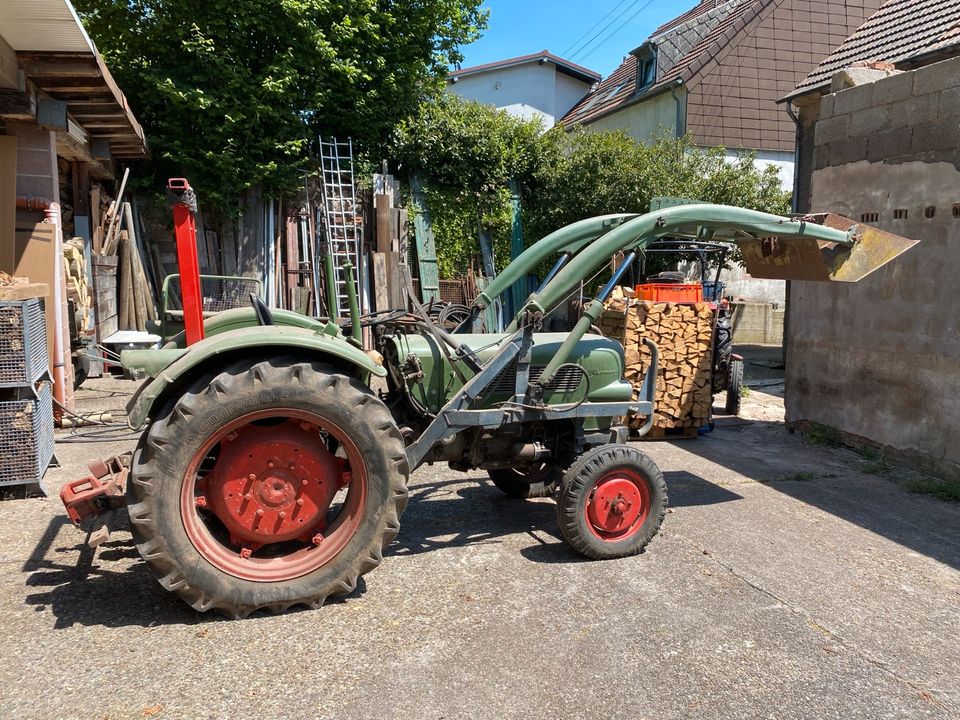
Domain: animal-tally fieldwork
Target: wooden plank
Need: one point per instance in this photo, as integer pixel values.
(106, 304)
(142, 282)
(426, 244)
(102, 295)
(8, 201)
(396, 292)
(108, 327)
(96, 221)
(384, 216)
(16, 105)
(24, 292)
(380, 282)
(293, 258)
(402, 223)
(127, 318)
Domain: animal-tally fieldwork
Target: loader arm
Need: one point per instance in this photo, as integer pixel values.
(568, 239)
(816, 247)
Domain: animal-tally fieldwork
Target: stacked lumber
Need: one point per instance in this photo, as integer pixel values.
(683, 333)
(131, 277)
(75, 272)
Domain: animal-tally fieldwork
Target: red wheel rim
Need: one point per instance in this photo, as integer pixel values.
(257, 496)
(618, 505)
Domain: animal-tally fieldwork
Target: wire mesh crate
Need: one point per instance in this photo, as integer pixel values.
(23, 342)
(26, 436)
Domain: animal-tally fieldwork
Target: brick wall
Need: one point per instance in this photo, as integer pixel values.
(733, 102)
(880, 360)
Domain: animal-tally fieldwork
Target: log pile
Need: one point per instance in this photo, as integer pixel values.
(684, 335)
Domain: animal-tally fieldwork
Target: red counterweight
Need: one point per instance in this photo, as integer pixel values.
(184, 223)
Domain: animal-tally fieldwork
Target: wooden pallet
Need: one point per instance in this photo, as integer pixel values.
(659, 433)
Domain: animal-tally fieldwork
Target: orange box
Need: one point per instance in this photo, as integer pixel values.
(670, 292)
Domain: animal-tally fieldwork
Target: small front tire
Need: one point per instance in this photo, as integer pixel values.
(611, 502)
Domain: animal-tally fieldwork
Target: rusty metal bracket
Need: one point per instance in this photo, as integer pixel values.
(104, 489)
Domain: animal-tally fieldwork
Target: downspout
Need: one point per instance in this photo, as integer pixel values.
(681, 121)
(51, 214)
(793, 207)
(796, 154)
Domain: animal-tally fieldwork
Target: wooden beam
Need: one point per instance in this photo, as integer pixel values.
(16, 105)
(55, 67)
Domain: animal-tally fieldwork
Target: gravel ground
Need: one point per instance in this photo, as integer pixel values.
(789, 581)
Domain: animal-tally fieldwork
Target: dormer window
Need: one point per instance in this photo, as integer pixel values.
(646, 66)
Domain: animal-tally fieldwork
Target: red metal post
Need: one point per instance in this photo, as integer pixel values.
(185, 228)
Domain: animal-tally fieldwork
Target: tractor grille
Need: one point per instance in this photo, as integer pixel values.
(566, 380)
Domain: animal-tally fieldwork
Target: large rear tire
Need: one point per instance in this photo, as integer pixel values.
(269, 485)
(734, 386)
(524, 483)
(612, 501)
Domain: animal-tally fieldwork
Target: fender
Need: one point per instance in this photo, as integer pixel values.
(242, 317)
(172, 367)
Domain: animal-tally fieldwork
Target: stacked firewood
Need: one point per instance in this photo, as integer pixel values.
(683, 333)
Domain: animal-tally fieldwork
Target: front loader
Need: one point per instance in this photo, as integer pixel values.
(270, 473)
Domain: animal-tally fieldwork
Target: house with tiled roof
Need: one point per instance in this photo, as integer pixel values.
(540, 85)
(716, 72)
(879, 361)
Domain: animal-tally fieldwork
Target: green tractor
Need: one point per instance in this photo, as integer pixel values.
(273, 465)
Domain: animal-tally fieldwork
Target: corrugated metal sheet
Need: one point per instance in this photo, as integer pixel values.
(43, 26)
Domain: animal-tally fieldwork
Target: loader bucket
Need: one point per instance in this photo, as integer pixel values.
(790, 258)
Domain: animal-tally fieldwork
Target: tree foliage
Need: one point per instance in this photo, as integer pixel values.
(233, 93)
(605, 172)
(467, 154)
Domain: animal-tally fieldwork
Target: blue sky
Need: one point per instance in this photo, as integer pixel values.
(520, 27)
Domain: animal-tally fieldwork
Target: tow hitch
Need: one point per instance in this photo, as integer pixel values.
(102, 491)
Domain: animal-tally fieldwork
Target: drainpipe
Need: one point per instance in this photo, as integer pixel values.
(51, 214)
(681, 122)
(796, 154)
(793, 206)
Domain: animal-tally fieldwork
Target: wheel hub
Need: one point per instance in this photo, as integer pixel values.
(615, 505)
(273, 484)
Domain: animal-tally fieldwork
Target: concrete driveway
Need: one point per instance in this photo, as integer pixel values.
(789, 581)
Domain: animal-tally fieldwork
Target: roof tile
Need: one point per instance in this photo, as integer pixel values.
(899, 32)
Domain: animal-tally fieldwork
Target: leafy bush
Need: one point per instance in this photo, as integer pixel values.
(467, 154)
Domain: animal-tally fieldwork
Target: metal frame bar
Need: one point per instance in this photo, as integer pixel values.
(185, 230)
(456, 415)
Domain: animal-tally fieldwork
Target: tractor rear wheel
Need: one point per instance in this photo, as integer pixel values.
(268, 485)
(524, 483)
(734, 386)
(612, 501)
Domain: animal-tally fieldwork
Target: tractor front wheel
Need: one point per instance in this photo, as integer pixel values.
(612, 501)
(269, 485)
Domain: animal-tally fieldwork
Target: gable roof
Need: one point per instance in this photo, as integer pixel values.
(902, 32)
(683, 46)
(564, 66)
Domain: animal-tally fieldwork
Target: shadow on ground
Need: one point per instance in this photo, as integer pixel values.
(450, 514)
(104, 587)
(113, 587)
(796, 468)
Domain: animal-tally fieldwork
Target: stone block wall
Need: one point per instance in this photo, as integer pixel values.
(880, 360)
